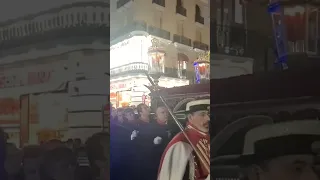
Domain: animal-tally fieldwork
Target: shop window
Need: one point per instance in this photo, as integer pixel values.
(182, 65)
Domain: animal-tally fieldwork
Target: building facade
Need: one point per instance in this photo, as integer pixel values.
(48, 61)
(168, 35)
(231, 54)
(301, 23)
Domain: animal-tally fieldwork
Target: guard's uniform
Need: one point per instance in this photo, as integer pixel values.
(179, 161)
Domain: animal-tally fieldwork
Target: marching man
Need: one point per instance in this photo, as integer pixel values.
(179, 161)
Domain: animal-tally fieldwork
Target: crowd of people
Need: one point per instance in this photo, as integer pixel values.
(56, 160)
(146, 147)
(138, 140)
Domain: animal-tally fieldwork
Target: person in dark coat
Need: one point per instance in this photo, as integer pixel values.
(3, 142)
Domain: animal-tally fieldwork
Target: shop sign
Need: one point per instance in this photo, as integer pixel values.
(31, 78)
(117, 86)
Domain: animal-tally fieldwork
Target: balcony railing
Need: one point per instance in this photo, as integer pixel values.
(134, 26)
(199, 19)
(234, 41)
(132, 67)
(181, 10)
(121, 3)
(181, 40)
(200, 45)
(159, 2)
(159, 32)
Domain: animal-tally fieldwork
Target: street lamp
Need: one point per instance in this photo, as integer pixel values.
(156, 61)
(202, 67)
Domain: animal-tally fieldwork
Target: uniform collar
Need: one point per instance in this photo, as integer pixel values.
(191, 126)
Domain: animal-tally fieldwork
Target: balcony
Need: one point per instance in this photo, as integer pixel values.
(160, 4)
(154, 31)
(234, 41)
(136, 67)
(199, 20)
(181, 12)
(200, 45)
(123, 4)
(136, 27)
(181, 40)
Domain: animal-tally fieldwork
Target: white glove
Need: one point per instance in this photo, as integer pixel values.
(157, 140)
(208, 177)
(134, 134)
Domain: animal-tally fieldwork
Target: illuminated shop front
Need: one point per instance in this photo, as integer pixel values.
(130, 90)
(131, 59)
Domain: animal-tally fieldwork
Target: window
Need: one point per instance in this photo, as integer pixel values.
(54, 22)
(62, 21)
(198, 11)
(58, 21)
(26, 29)
(180, 28)
(94, 17)
(72, 18)
(102, 17)
(180, 3)
(78, 17)
(85, 17)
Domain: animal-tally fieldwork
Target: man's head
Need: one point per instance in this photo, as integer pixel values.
(198, 114)
(59, 163)
(162, 114)
(129, 114)
(282, 151)
(120, 114)
(98, 154)
(143, 110)
(113, 112)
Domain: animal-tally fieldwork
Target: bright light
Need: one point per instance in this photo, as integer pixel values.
(130, 50)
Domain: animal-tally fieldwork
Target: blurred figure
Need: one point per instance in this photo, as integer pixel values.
(58, 164)
(83, 171)
(31, 161)
(3, 142)
(13, 162)
(52, 144)
(161, 137)
(77, 143)
(113, 113)
(120, 116)
(130, 118)
(69, 143)
(98, 149)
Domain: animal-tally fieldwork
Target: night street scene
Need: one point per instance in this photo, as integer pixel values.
(159, 90)
(54, 90)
